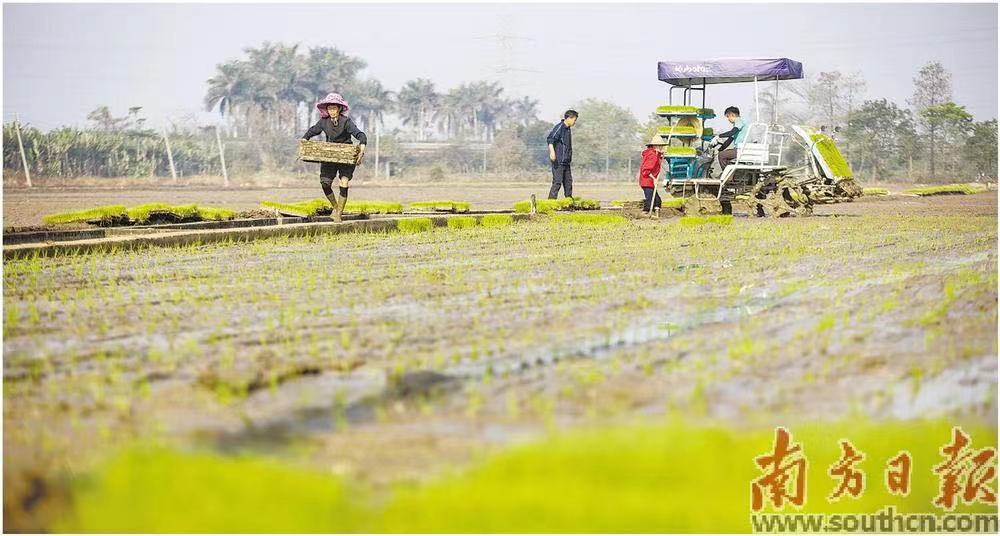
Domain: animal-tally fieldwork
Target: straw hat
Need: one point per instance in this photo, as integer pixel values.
(657, 140)
(332, 98)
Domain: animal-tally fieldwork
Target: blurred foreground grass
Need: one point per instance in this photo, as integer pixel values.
(668, 477)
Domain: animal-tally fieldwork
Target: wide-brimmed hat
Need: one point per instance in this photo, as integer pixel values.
(332, 98)
(657, 140)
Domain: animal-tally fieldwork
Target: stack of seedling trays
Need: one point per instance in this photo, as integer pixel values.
(327, 152)
(682, 129)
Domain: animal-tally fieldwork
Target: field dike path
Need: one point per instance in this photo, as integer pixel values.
(134, 238)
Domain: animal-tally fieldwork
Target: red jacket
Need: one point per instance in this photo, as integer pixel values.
(649, 170)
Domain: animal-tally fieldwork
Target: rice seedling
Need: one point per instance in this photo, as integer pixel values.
(676, 110)
(414, 225)
(875, 191)
(544, 206)
(563, 479)
(838, 165)
(304, 209)
(106, 215)
(143, 213)
(461, 222)
(590, 219)
(676, 131)
(948, 189)
(680, 151)
(496, 220)
(216, 213)
(373, 207)
(696, 221)
(441, 206)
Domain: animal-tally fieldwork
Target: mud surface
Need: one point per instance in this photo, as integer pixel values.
(392, 357)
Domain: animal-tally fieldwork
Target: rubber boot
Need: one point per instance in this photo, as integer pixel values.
(338, 212)
(334, 202)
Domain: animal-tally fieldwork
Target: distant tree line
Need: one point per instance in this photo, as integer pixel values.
(266, 99)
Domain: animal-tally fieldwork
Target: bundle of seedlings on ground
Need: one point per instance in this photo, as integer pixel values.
(461, 222)
(163, 213)
(373, 207)
(414, 225)
(948, 189)
(545, 206)
(303, 209)
(323, 151)
(103, 216)
(496, 220)
(875, 191)
(441, 206)
(149, 213)
(695, 221)
(589, 219)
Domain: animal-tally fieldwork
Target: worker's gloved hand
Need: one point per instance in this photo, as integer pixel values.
(361, 154)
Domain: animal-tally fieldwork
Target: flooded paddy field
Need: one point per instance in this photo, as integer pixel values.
(396, 360)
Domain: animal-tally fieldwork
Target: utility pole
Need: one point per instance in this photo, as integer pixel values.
(484, 152)
(607, 152)
(378, 136)
(20, 145)
(170, 154)
(222, 157)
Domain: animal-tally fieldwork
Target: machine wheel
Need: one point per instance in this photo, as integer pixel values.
(727, 207)
(779, 197)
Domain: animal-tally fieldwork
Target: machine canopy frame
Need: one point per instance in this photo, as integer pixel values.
(727, 71)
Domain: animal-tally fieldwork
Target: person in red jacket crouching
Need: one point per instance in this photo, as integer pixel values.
(649, 170)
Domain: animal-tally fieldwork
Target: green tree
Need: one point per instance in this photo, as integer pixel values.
(605, 135)
(953, 125)
(418, 102)
(875, 128)
(931, 87)
(981, 149)
(509, 150)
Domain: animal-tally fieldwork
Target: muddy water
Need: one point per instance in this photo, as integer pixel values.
(393, 354)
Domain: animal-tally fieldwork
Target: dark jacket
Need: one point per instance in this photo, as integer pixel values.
(339, 133)
(561, 139)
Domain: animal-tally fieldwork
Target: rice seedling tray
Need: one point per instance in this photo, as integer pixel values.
(324, 151)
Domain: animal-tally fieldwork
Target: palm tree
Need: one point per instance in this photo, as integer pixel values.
(417, 104)
(278, 83)
(229, 89)
(525, 110)
(490, 104)
(372, 101)
(455, 110)
(328, 69)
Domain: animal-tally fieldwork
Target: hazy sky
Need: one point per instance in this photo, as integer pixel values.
(61, 61)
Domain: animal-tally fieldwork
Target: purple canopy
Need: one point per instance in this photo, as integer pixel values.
(728, 71)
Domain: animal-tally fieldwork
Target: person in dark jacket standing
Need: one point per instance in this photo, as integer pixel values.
(561, 155)
(339, 128)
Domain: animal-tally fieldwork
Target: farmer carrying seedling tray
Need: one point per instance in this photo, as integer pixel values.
(339, 128)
